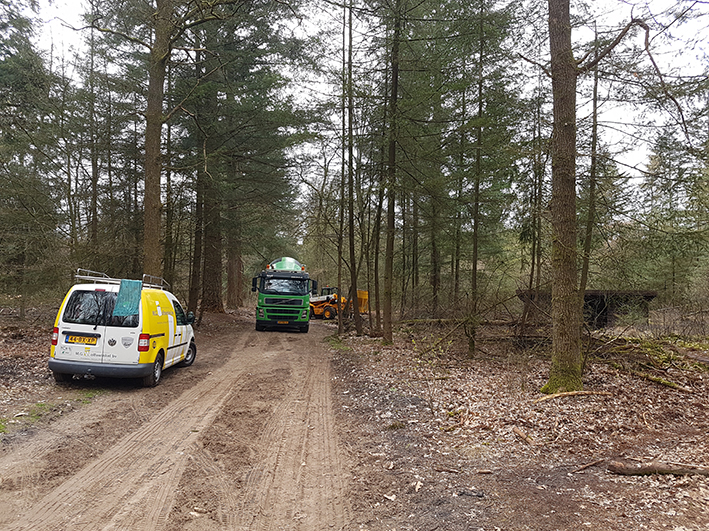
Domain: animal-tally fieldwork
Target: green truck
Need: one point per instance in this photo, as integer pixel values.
(284, 289)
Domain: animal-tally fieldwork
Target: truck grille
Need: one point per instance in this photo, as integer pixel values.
(276, 313)
(272, 301)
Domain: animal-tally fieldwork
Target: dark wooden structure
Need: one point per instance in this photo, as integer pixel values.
(601, 308)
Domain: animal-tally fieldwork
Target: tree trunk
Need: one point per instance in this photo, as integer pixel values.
(235, 273)
(212, 279)
(159, 55)
(391, 180)
(459, 198)
(536, 207)
(93, 139)
(196, 273)
(591, 214)
(169, 246)
(341, 216)
(435, 257)
(472, 328)
(415, 264)
(376, 245)
(565, 372)
(405, 270)
(350, 181)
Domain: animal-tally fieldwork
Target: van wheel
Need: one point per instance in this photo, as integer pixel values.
(61, 377)
(190, 355)
(153, 379)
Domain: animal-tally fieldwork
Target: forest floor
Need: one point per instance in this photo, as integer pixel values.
(279, 430)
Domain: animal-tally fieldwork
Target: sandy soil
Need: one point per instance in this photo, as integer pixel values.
(244, 439)
(289, 431)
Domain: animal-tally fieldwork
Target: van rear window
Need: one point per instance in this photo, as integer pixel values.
(95, 308)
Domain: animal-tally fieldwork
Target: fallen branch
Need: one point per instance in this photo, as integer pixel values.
(655, 467)
(662, 381)
(572, 393)
(589, 465)
(519, 433)
(446, 469)
(649, 377)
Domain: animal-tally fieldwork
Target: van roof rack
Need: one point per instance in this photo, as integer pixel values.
(97, 277)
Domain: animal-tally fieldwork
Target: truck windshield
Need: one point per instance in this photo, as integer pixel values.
(284, 286)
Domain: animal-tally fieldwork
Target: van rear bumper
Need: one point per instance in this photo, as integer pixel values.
(109, 370)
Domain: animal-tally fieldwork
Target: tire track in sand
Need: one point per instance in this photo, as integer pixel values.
(300, 482)
(296, 480)
(131, 485)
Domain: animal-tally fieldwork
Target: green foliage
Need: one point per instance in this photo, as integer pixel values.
(86, 396)
(28, 207)
(38, 411)
(666, 248)
(335, 342)
(242, 136)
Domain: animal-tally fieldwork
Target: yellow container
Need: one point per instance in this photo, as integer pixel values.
(363, 301)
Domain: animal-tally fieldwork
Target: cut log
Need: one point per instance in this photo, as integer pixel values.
(655, 467)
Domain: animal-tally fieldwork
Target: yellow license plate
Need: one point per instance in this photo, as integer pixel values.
(84, 340)
(282, 322)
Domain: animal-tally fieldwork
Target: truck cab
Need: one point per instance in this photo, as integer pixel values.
(284, 290)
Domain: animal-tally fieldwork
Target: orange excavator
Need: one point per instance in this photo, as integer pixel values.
(329, 302)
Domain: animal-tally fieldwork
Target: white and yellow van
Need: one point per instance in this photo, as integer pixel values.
(120, 328)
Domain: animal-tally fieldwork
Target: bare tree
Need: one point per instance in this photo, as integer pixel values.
(565, 373)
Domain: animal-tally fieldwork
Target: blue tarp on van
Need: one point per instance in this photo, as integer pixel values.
(128, 300)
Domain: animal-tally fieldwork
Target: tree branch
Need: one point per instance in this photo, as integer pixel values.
(532, 61)
(655, 467)
(608, 49)
(582, 69)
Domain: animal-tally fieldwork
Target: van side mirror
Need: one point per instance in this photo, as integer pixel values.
(190, 318)
(253, 284)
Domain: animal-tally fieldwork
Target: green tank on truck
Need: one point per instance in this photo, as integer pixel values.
(284, 289)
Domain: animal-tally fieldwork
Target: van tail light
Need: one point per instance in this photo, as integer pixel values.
(143, 342)
(55, 336)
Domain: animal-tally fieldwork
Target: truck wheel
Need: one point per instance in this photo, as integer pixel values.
(329, 313)
(190, 355)
(153, 379)
(61, 377)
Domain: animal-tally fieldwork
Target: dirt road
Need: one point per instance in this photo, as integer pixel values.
(244, 439)
(276, 431)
